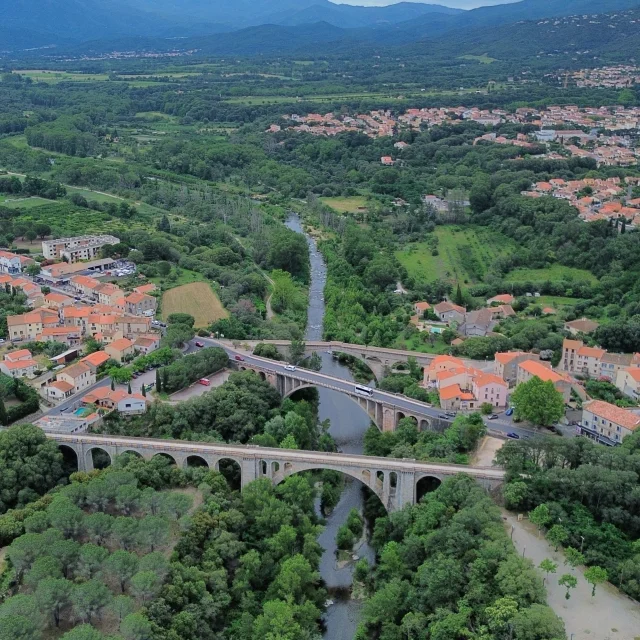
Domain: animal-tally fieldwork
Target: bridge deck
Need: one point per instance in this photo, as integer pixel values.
(255, 452)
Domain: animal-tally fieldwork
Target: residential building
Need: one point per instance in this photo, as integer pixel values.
(453, 398)
(78, 375)
(28, 326)
(120, 349)
(606, 423)
(59, 391)
(63, 272)
(589, 361)
(583, 325)
(628, 381)
(419, 308)
(19, 364)
(147, 343)
(57, 301)
(503, 298)
(140, 304)
(612, 363)
(71, 336)
(449, 312)
(440, 363)
(477, 323)
(85, 286)
(490, 388)
(530, 369)
(95, 360)
(506, 364)
(77, 249)
(130, 326)
(13, 263)
(146, 288)
(118, 400)
(109, 294)
(569, 360)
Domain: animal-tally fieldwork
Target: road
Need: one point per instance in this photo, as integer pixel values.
(502, 424)
(306, 457)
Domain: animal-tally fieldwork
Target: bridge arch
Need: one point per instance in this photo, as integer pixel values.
(195, 461)
(97, 458)
(373, 415)
(375, 485)
(426, 483)
(167, 456)
(231, 469)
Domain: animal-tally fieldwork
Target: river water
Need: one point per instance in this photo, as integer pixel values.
(348, 425)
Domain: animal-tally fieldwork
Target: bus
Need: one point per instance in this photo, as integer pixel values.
(364, 391)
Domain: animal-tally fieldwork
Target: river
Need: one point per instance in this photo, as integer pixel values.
(348, 426)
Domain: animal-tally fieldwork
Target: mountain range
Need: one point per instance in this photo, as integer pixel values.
(247, 27)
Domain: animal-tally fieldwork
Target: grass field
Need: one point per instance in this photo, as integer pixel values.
(464, 255)
(346, 205)
(197, 299)
(23, 203)
(553, 273)
(484, 58)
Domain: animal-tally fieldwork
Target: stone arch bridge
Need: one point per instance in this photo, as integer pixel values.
(385, 409)
(394, 481)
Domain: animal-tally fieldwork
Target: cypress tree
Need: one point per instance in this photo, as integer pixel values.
(144, 390)
(113, 385)
(3, 414)
(158, 381)
(129, 388)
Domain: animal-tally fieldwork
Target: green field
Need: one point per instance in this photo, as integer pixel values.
(464, 255)
(43, 75)
(23, 203)
(484, 58)
(553, 273)
(346, 205)
(94, 195)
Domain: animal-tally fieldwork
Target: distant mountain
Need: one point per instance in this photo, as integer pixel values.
(582, 35)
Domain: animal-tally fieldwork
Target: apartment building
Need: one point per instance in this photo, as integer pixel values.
(628, 381)
(78, 375)
(28, 326)
(140, 304)
(506, 364)
(76, 249)
(120, 349)
(13, 263)
(530, 369)
(19, 364)
(606, 423)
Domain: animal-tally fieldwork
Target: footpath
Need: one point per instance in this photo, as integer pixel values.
(610, 615)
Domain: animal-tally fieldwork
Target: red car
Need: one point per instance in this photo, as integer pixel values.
(240, 358)
(200, 344)
(205, 381)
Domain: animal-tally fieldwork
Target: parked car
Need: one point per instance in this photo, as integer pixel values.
(450, 414)
(199, 344)
(205, 382)
(513, 436)
(493, 416)
(239, 358)
(509, 411)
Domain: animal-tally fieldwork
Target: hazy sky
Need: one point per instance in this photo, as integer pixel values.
(460, 4)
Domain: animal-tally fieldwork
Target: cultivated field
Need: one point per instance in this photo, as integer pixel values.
(197, 299)
(554, 273)
(346, 205)
(464, 255)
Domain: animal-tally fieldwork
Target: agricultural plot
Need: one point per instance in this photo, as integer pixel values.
(346, 205)
(196, 299)
(554, 273)
(462, 255)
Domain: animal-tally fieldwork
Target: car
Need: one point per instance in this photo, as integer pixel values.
(1, 340)
(450, 414)
(289, 367)
(199, 344)
(509, 411)
(513, 436)
(205, 382)
(443, 416)
(239, 358)
(493, 416)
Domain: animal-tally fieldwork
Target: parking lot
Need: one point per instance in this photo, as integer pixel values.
(197, 389)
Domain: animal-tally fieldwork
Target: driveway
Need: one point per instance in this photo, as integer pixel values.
(610, 615)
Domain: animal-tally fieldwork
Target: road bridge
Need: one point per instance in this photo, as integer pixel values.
(378, 359)
(395, 481)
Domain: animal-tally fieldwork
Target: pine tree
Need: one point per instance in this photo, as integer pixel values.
(3, 414)
(158, 381)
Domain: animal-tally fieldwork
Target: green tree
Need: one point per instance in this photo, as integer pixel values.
(573, 557)
(538, 402)
(153, 532)
(136, 627)
(594, 576)
(3, 414)
(89, 598)
(569, 582)
(500, 614)
(158, 382)
(121, 606)
(121, 565)
(83, 632)
(145, 585)
(90, 560)
(42, 568)
(52, 595)
(557, 535)
(538, 622)
(548, 566)
(540, 516)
